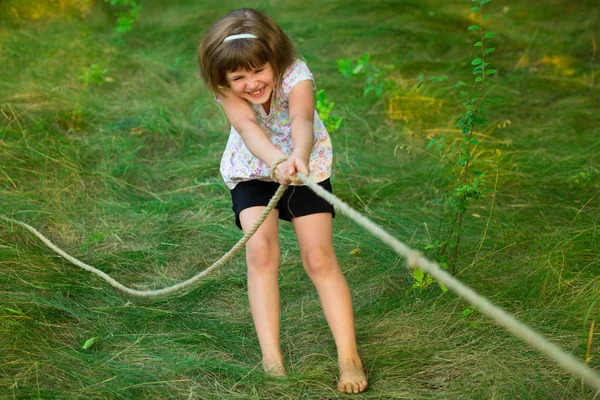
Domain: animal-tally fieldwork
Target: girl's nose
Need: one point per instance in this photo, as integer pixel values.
(252, 83)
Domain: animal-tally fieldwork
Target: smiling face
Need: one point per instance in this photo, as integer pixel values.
(254, 85)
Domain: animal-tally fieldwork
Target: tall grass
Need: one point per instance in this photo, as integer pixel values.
(124, 175)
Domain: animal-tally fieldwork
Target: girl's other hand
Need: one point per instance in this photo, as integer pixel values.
(286, 171)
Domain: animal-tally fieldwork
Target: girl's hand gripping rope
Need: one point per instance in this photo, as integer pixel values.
(284, 169)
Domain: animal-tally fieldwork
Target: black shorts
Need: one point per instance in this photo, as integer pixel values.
(297, 201)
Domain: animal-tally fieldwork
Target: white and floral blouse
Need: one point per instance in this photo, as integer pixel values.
(238, 164)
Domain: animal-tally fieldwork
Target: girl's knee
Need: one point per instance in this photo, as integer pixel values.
(319, 261)
(262, 253)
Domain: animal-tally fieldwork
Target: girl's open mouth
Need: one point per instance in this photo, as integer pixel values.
(257, 93)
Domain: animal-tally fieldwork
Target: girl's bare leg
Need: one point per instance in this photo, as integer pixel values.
(262, 257)
(314, 233)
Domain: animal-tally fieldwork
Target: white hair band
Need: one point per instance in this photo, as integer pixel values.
(240, 36)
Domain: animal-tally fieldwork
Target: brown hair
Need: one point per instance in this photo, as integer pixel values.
(216, 58)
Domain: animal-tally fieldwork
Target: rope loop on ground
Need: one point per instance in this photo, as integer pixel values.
(187, 284)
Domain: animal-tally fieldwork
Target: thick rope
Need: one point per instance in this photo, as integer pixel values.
(170, 289)
(417, 261)
(274, 167)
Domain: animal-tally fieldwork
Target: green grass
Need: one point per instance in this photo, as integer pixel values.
(124, 175)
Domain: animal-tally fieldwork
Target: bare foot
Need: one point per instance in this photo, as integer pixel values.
(274, 368)
(352, 377)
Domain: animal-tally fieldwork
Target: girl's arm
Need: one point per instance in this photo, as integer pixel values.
(242, 118)
(302, 112)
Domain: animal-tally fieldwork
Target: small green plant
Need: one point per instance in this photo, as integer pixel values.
(324, 108)
(89, 343)
(95, 73)
(581, 179)
(468, 311)
(465, 182)
(376, 79)
(423, 280)
(126, 19)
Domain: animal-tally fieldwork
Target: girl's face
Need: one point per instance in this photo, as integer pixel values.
(254, 85)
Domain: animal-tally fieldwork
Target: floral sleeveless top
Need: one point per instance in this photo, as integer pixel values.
(238, 164)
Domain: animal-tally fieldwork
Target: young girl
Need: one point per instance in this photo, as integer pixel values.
(267, 94)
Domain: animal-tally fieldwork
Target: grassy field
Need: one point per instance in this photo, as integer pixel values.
(123, 174)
